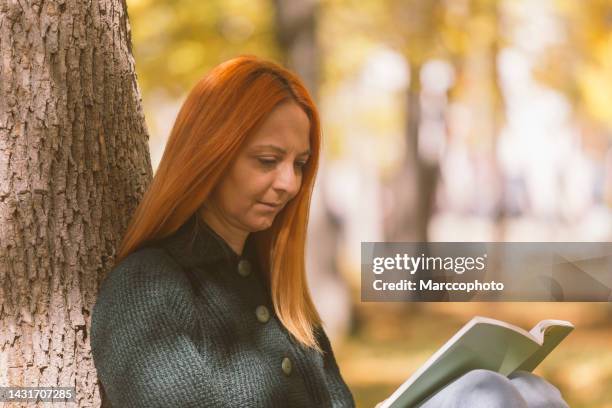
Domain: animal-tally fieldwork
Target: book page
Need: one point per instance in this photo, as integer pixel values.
(551, 336)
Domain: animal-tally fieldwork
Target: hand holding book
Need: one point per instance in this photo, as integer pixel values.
(483, 343)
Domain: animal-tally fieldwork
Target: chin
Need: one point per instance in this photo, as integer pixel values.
(261, 224)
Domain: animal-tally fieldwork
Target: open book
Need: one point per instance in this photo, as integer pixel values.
(482, 343)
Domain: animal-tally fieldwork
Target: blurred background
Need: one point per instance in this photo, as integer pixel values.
(443, 120)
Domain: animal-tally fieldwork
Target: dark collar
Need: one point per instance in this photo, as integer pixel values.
(196, 244)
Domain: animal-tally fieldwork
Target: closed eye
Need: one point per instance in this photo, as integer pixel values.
(267, 161)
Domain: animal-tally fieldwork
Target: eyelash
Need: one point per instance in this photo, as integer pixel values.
(272, 162)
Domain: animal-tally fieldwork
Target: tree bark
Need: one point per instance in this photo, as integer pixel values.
(74, 163)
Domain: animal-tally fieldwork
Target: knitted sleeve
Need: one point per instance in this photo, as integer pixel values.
(142, 337)
(341, 396)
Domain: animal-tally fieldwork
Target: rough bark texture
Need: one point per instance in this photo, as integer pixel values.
(74, 162)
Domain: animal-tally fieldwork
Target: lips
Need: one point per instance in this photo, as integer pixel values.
(271, 205)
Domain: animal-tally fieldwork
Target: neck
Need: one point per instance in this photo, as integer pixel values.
(233, 236)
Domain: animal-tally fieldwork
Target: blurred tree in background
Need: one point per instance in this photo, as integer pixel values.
(177, 42)
(580, 62)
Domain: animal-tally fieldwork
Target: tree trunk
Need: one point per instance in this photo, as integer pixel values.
(74, 163)
(414, 185)
(499, 108)
(296, 36)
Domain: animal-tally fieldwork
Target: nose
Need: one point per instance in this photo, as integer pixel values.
(287, 180)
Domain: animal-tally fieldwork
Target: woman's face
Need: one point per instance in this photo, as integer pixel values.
(267, 172)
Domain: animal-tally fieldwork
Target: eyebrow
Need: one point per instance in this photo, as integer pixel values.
(280, 149)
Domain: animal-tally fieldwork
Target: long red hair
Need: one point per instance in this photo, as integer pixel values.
(220, 112)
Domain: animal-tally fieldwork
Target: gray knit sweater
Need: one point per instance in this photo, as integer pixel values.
(186, 322)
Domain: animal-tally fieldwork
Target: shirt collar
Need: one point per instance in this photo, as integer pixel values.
(196, 244)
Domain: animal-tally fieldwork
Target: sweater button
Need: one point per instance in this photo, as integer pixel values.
(244, 268)
(286, 366)
(262, 313)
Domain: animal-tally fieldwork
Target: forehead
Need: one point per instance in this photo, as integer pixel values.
(287, 126)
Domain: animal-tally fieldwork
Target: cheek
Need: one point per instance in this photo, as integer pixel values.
(227, 195)
(256, 185)
(241, 193)
(243, 186)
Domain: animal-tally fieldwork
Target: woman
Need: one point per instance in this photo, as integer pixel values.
(208, 305)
